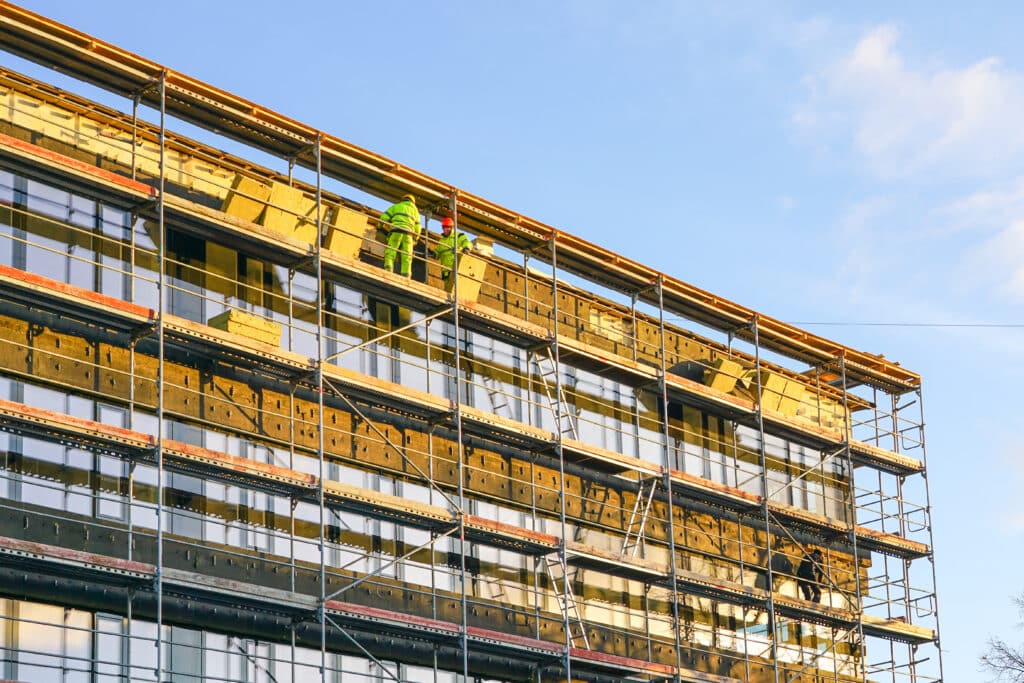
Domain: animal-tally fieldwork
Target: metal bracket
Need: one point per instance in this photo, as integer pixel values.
(142, 331)
(139, 93)
(648, 288)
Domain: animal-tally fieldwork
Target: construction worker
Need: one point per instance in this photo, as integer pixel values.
(402, 220)
(810, 574)
(452, 240)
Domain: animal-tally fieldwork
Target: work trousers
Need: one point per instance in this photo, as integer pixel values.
(810, 588)
(400, 244)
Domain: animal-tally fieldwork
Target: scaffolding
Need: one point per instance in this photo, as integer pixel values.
(238, 449)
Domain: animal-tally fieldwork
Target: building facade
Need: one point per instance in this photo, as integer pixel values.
(237, 449)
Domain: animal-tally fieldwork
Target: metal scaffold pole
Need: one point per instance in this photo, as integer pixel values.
(567, 598)
(667, 478)
(135, 136)
(852, 512)
(321, 468)
(887, 583)
(901, 522)
(762, 457)
(931, 541)
(160, 376)
(460, 452)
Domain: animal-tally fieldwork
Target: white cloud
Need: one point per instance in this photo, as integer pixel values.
(998, 262)
(903, 118)
(925, 129)
(993, 206)
(987, 228)
(859, 242)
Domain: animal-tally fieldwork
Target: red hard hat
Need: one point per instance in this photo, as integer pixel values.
(447, 222)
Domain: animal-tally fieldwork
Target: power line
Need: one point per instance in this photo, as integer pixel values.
(852, 323)
(881, 324)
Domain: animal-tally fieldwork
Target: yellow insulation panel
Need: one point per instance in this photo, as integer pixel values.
(247, 325)
(350, 231)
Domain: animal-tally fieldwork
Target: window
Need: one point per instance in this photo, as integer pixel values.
(186, 258)
(110, 654)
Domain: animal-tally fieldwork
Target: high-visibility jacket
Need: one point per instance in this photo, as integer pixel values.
(448, 245)
(403, 217)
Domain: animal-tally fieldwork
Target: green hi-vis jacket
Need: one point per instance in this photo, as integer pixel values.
(402, 216)
(446, 247)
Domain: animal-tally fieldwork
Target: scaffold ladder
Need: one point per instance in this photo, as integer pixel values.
(638, 518)
(566, 597)
(547, 370)
(499, 399)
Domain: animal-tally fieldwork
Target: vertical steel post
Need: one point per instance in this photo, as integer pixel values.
(893, 417)
(931, 538)
(318, 260)
(126, 645)
(852, 511)
(135, 122)
(762, 457)
(746, 643)
(667, 478)
(563, 560)
(292, 643)
(901, 517)
(635, 343)
(161, 294)
(460, 452)
(126, 649)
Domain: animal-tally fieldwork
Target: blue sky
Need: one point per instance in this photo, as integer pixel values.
(863, 163)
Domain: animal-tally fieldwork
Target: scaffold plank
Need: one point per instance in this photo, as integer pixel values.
(63, 560)
(591, 557)
(604, 363)
(885, 460)
(606, 459)
(383, 392)
(871, 539)
(13, 150)
(238, 470)
(726, 496)
(263, 476)
(33, 290)
(896, 629)
(386, 618)
(488, 424)
(60, 426)
(386, 506)
(719, 589)
(230, 591)
(814, 612)
(627, 666)
(526, 541)
(236, 347)
(876, 627)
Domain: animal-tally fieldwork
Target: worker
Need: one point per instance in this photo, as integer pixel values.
(810, 574)
(452, 240)
(402, 220)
